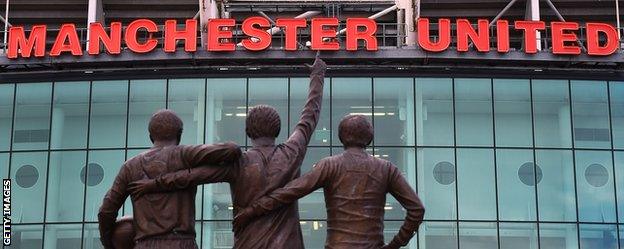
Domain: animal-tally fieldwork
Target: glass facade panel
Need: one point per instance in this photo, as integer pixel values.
(590, 109)
(70, 115)
(436, 182)
(66, 183)
(551, 113)
(226, 99)
(518, 235)
(512, 113)
(187, 98)
(516, 184)
(26, 236)
(350, 96)
(6, 115)
(91, 239)
(473, 112)
(312, 206)
(146, 97)
(619, 180)
(556, 191)
(110, 161)
(434, 112)
(28, 172)
(32, 116)
(558, 236)
(438, 235)
(405, 160)
(617, 113)
(4, 165)
(273, 92)
(476, 184)
(109, 108)
(298, 95)
(595, 191)
(478, 235)
(598, 236)
(394, 107)
(62, 236)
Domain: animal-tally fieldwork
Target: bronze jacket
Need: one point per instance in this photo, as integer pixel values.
(261, 170)
(161, 213)
(355, 185)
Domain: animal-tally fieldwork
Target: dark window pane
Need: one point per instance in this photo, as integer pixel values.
(436, 184)
(350, 96)
(32, 116)
(226, 110)
(594, 179)
(590, 109)
(551, 113)
(558, 236)
(70, 115)
(512, 113)
(146, 97)
(298, 95)
(556, 194)
(476, 189)
(65, 188)
(473, 107)
(6, 115)
(108, 114)
(598, 236)
(394, 111)
(516, 199)
(434, 111)
(187, 99)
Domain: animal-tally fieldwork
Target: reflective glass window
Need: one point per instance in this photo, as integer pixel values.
(273, 92)
(590, 110)
(512, 113)
(598, 236)
(595, 192)
(478, 235)
(63, 236)
(298, 95)
(6, 115)
(405, 160)
(436, 183)
(619, 180)
(394, 111)
(434, 111)
(70, 115)
(146, 97)
(473, 112)
(558, 236)
(26, 236)
(350, 96)
(477, 188)
(111, 161)
(617, 113)
(28, 172)
(66, 181)
(187, 99)
(217, 234)
(226, 110)
(108, 114)
(551, 113)
(516, 184)
(91, 237)
(32, 116)
(437, 235)
(4, 165)
(556, 192)
(518, 235)
(312, 206)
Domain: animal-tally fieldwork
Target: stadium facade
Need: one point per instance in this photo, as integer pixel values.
(513, 138)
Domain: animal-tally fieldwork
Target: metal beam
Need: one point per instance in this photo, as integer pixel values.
(208, 9)
(502, 12)
(552, 6)
(6, 25)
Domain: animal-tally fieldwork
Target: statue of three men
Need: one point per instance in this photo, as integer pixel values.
(265, 183)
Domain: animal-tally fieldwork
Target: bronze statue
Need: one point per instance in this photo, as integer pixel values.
(355, 186)
(262, 169)
(162, 220)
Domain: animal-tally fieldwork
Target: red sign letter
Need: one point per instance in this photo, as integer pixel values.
(131, 36)
(97, 34)
(530, 38)
(444, 31)
(215, 34)
(593, 39)
(19, 44)
(189, 35)
(502, 36)
(321, 35)
(261, 39)
(481, 39)
(560, 37)
(66, 33)
(290, 31)
(368, 35)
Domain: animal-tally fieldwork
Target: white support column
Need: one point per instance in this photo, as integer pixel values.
(533, 14)
(412, 12)
(95, 14)
(54, 176)
(208, 9)
(6, 25)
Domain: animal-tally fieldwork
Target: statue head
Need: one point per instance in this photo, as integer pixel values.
(165, 126)
(355, 131)
(262, 121)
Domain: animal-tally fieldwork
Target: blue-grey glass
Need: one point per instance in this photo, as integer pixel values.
(478, 235)
(595, 189)
(516, 200)
(477, 188)
(434, 111)
(27, 201)
(617, 113)
(590, 112)
(70, 115)
(551, 114)
(32, 116)
(91, 237)
(350, 96)
(405, 160)
(26, 236)
(437, 235)
(273, 92)
(217, 234)
(436, 185)
(4, 165)
(146, 97)
(111, 161)
(556, 192)
(109, 102)
(598, 236)
(65, 194)
(394, 107)
(312, 206)
(619, 180)
(473, 112)
(621, 232)
(198, 231)
(558, 236)
(391, 229)
(187, 99)
(518, 235)
(63, 236)
(512, 113)
(226, 109)
(6, 115)
(298, 95)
